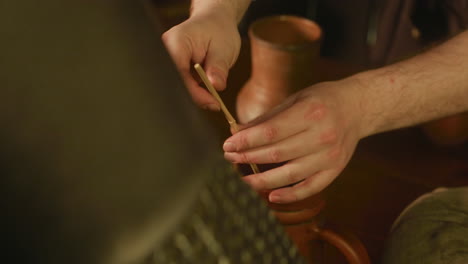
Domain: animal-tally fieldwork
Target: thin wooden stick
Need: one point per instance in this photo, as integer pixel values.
(231, 120)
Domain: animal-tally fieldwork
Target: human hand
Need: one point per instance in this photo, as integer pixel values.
(315, 131)
(210, 38)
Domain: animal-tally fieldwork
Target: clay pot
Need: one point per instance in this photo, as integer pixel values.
(449, 131)
(284, 52)
(306, 227)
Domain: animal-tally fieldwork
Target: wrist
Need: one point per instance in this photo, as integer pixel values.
(232, 10)
(384, 99)
(361, 110)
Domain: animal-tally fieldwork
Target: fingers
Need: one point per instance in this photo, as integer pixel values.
(220, 57)
(217, 69)
(293, 147)
(289, 173)
(310, 186)
(200, 95)
(268, 132)
(183, 54)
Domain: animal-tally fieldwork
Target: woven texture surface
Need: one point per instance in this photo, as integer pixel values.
(229, 224)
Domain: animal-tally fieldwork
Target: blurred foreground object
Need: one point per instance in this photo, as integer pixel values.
(432, 229)
(103, 156)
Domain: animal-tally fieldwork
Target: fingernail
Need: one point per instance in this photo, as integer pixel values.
(218, 81)
(212, 107)
(228, 156)
(274, 198)
(246, 179)
(229, 147)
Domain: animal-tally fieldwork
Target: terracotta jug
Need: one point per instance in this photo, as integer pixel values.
(284, 53)
(308, 229)
(285, 50)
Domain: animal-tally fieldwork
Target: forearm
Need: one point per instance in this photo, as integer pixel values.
(426, 87)
(233, 8)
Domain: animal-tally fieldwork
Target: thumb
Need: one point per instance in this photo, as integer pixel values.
(217, 68)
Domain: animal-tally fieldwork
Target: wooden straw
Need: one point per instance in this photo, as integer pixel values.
(231, 120)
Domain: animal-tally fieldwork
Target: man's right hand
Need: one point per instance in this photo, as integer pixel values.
(210, 38)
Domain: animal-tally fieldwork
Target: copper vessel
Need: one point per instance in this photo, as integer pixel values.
(284, 52)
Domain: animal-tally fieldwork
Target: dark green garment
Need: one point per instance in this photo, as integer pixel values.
(433, 230)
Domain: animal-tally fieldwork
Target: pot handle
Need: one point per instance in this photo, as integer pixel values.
(348, 244)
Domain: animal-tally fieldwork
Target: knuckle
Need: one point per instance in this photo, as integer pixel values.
(297, 196)
(334, 154)
(275, 156)
(270, 133)
(168, 35)
(308, 189)
(261, 182)
(316, 112)
(245, 158)
(329, 137)
(289, 174)
(165, 36)
(243, 141)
